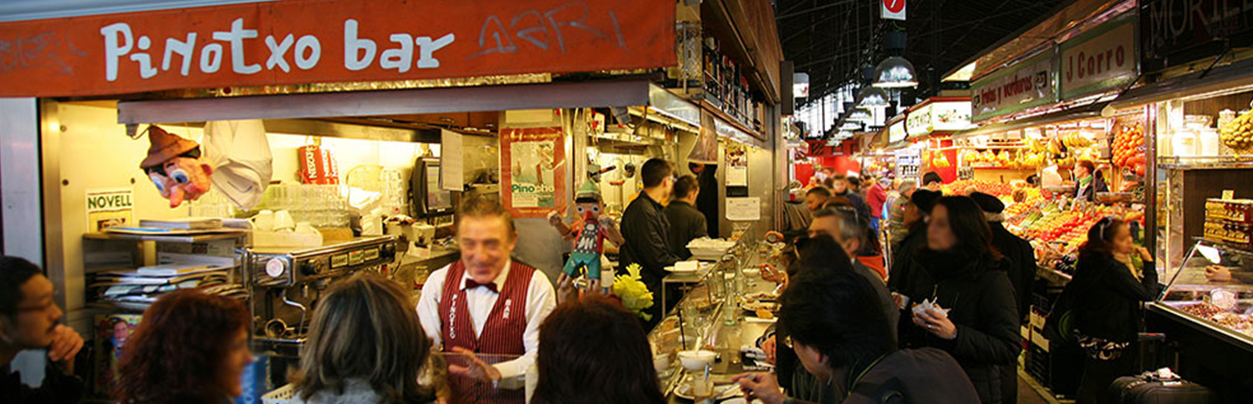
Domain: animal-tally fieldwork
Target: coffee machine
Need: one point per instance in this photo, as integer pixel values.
(287, 284)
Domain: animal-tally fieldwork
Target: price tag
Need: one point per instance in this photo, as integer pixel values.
(1229, 194)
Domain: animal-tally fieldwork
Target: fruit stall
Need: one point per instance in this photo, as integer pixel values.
(1198, 135)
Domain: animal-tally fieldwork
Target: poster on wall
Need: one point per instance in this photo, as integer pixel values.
(533, 180)
(737, 165)
(109, 207)
(111, 332)
(744, 209)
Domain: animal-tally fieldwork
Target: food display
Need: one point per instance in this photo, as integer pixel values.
(1236, 321)
(965, 187)
(1128, 148)
(1238, 134)
(1229, 221)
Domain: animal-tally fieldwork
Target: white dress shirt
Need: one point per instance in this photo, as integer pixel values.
(540, 300)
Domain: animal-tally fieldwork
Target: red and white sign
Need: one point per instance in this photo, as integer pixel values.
(323, 41)
(892, 9)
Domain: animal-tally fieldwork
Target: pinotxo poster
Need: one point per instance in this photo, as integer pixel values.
(534, 181)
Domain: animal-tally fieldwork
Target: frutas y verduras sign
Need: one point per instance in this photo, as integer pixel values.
(318, 41)
(1025, 85)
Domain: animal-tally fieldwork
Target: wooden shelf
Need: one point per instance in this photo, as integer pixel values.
(725, 117)
(167, 238)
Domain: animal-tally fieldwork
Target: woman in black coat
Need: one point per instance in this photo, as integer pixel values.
(960, 271)
(1108, 295)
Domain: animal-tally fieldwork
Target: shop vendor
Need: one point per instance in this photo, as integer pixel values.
(486, 303)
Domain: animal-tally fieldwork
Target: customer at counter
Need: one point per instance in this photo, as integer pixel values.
(473, 304)
(842, 186)
(962, 300)
(842, 338)
(1108, 291)
(361, 346)
(31, 321)
(593, 351)
(686, 223)
(647, 230)
(816, 196)
(190, 348)
(1088, 181)
(1019, 252)
(841, 224)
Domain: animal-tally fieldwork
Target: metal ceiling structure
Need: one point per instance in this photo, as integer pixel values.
(833, 39)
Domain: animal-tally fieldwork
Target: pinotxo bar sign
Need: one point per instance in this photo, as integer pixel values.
(320, 41)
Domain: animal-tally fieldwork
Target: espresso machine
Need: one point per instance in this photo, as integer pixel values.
(287, 284)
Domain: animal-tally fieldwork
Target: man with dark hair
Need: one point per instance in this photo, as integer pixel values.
(841, 223)
(841, 337)
(932, 181)
(29, 319)
(1019, 252)
(686, 223)
(843, 187)
(458, 306)
(647, 232)
(815, 197)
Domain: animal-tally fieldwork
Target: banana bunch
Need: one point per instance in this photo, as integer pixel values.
(1238, 134)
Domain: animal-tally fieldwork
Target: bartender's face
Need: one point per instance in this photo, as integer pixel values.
(486, 243)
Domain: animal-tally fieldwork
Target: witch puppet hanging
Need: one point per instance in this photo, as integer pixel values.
(175, 166)
(588, 234)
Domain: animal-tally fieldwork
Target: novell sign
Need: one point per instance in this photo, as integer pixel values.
(324, 41)
(892, 9)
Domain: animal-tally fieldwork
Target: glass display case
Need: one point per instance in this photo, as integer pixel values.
(1212, 291)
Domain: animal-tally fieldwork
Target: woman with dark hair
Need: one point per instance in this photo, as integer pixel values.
(1088, 181)
(975, 316)
(842, 340)
(592, 350)
(365, 345)
(191, 347)
(1108, 290)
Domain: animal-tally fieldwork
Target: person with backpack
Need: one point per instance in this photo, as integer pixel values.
(1105, 302)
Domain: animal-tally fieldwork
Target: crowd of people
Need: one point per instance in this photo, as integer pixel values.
(938, 325)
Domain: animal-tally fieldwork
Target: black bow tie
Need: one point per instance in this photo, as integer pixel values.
(471, 284)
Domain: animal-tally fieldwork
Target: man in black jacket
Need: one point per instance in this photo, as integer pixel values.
(1019, 252)
(647, 232)
(30, 321)
(686, 223)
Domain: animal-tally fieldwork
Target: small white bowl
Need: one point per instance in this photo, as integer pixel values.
(696, 359)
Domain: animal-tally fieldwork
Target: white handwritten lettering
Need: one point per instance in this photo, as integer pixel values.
(236, 37)
(113, 49)
(353, 45)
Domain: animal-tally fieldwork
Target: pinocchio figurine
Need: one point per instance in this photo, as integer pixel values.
(588, 234)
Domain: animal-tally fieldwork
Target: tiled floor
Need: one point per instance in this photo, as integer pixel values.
(1030, 392)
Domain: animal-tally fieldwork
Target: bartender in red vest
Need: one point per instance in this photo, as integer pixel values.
(486, 303)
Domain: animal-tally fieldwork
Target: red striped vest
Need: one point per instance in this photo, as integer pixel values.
(501, 334)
